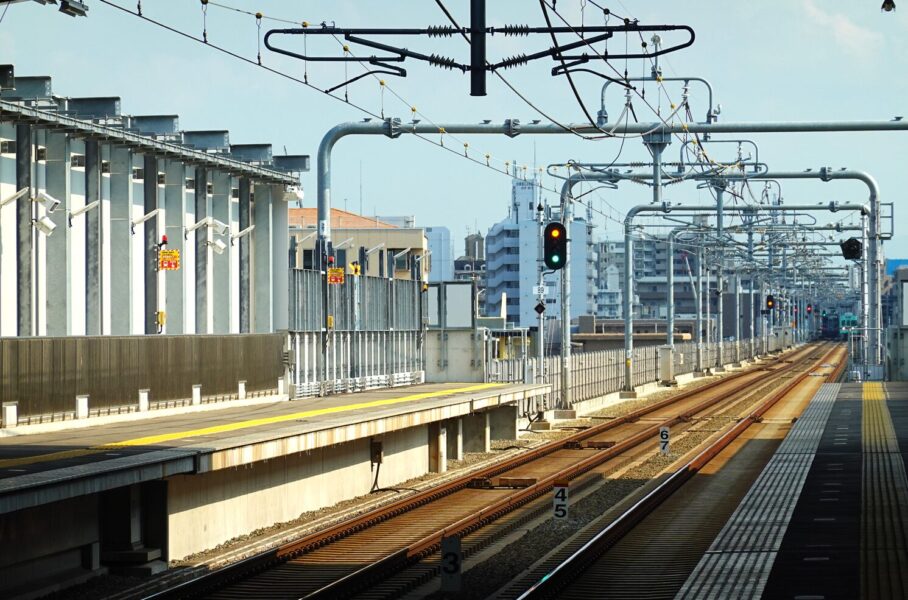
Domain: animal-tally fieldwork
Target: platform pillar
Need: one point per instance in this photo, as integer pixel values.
(438, 448)
(455, 439)
(476, 436)
(503, 423)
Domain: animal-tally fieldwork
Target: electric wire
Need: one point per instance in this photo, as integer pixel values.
(279, 73)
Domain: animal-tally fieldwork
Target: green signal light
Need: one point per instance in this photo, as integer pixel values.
(556, 258)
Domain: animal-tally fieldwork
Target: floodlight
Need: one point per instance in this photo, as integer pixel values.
(83, 210)
(241, 234)
(142, 219)
(73, 8)
(14, 197)
(888, 5)
(195, 226)
(218, 246)
(219, 227)
(44, 225)
(49, 203)
(344, 243)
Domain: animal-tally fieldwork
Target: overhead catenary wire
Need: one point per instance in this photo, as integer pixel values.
(305, 83)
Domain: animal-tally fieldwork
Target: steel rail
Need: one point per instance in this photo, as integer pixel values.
(266, 559)
(568, 570)
(363, 578)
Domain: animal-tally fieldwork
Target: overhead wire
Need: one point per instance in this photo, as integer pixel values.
(303, 82)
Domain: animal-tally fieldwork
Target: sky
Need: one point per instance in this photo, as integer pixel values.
(779, 60)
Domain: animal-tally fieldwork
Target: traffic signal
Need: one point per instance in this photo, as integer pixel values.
(554, 242)
(809, 308)
(770, 302)
(852, 249)
(824, 313)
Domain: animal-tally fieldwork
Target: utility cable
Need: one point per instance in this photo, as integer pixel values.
(308, 85)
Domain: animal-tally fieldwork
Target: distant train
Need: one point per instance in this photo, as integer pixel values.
(847, 322)
(837, 326)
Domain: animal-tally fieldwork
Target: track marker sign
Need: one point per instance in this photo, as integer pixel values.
(560, 500)
(451, 564)
(663, 440)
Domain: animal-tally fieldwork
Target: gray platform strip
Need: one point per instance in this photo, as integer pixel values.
(738, 563)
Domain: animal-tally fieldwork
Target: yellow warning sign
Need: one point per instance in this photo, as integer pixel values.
(169, 260)
(335, 275)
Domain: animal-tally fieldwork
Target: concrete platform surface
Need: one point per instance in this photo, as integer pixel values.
(828, 517)
(45, 467)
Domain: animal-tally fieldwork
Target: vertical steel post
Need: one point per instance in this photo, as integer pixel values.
(245, 280)
(93, 309)
(566, 303)
(201, 251)
(477, 47)
(700, 306)
(150, 189)
(627, 302)
(24, 230)
(670, 309)
(720, 274)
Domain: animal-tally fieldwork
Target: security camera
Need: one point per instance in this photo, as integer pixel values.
(44, 225)
(218, 246)
(47, 201)
(219, 227)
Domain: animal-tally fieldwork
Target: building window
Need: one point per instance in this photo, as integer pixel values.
(138, 174)
(77, 160)
(307, 259)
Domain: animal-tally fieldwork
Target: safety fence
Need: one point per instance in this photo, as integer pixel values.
(44, 375)
(369, 337)
(595, 374)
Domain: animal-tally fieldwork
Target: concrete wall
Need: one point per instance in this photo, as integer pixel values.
(211, 508)
(453, 355)
(38, 542)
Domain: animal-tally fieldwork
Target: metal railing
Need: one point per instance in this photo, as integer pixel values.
(372, 339)
(595, 374)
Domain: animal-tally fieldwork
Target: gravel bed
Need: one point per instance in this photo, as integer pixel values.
(245, 545)
(488, 576)
(508, 564)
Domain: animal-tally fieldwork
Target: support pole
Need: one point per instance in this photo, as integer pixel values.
(24, 231)
(566, 398)
(93, 309)
(477, 47)
(245, 189)
(720, 275)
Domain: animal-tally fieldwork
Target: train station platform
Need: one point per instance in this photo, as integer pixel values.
(828, 516)
(46, 467)
(135, 494)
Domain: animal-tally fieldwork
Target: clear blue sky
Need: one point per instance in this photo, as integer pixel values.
(768, 60)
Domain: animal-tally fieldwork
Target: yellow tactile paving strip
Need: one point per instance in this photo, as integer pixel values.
(884, 502)
(238, 425)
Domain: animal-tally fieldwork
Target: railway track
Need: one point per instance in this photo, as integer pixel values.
(360, 554)
(640, 553)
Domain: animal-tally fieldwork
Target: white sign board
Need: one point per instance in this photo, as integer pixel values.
(905, 304)
(663, 440)
(560, 500)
